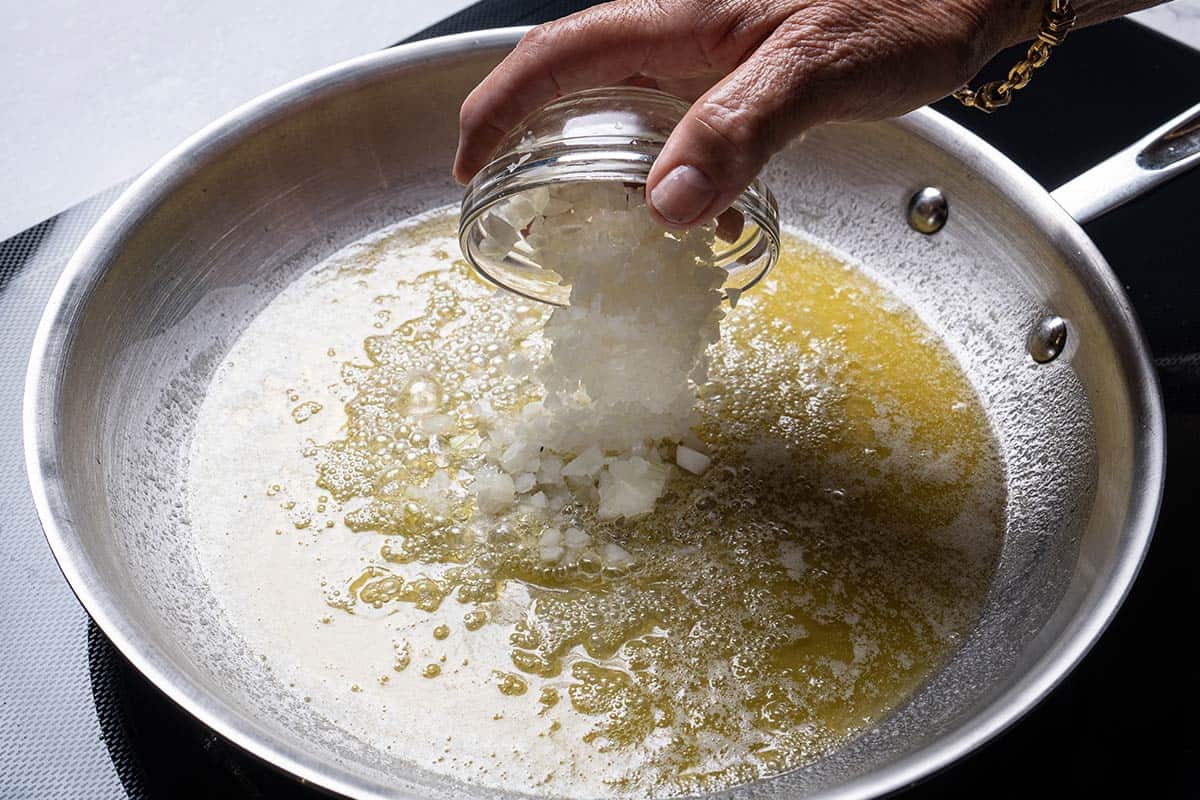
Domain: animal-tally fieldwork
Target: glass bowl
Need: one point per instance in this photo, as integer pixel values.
(610, 134)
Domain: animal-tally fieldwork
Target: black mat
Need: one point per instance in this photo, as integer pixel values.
(77, 722)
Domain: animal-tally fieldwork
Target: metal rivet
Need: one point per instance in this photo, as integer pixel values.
(1048, 339)
(928, 210)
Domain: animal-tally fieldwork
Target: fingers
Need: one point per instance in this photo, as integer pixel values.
(727, 137)
(787, 65)
(826, 61)
(600, 46)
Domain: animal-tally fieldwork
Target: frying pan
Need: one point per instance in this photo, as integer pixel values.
(175, 270)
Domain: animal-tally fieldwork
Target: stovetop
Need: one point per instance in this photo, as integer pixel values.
(76, 721)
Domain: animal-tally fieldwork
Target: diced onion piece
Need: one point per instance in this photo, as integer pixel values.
(519, 366)
(494, 490)
(576, 539)
(518, 211)
(585, 465)
(616, 556)
(499, 235)
(520, 456)
(693, 461)
(630, 488)
(550, 472)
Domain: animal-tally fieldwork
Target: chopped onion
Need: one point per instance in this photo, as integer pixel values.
(587, 464)
(552, 553)
(576, 538)
(622, 360)
(693, 461)
(494, 490)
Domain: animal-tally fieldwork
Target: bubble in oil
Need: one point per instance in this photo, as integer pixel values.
(511, 684)
(305, 411)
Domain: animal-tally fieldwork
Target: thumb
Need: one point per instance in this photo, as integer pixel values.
(724, 140)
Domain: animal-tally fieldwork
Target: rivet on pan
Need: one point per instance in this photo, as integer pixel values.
(928, 210)
(1048, 339)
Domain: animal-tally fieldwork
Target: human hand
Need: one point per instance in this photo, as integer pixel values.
(760, 73)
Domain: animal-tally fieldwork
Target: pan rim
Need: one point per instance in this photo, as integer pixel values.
(86, 268)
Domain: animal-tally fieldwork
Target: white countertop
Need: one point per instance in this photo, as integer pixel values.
(94, 92)
(1180, 20)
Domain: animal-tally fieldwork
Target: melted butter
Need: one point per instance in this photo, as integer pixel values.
(803, 587)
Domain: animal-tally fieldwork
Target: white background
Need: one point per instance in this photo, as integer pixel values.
(93, 92)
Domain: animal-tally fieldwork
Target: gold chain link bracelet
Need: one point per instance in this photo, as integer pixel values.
(1056, 24)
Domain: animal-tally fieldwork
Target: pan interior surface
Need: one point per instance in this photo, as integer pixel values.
(766, 611)
(157, 297)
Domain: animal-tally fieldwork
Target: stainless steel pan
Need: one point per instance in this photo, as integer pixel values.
(167, 279)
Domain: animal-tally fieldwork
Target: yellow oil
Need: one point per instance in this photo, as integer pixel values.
(511, 684)
(804, 586)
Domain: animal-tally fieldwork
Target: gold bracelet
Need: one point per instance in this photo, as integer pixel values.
(1056, 24)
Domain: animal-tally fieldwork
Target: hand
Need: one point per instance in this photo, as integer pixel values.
(760, 72)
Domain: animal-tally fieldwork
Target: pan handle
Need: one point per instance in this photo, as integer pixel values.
(1158, 157)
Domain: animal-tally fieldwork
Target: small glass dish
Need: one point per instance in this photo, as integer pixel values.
(611, 134)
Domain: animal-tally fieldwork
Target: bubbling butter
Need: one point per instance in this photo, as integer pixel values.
(468, 602)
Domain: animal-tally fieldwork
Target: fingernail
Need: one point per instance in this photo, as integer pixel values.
(682, 195)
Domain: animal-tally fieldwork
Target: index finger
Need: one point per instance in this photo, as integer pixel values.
(599, 46)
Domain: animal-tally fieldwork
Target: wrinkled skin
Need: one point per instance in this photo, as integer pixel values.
(760, 72)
